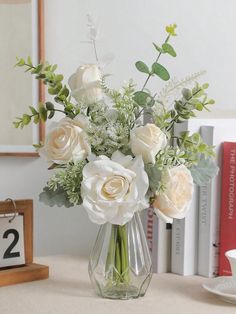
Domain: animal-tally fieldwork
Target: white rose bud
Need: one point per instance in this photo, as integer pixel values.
(175, 201)
(147, 141)
(85, 84)
(67, 141)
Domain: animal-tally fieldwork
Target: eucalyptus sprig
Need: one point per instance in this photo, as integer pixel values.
(46, 73)
(192, 100)
(143, 97)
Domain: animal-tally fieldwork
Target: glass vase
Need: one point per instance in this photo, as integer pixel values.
(120, 266)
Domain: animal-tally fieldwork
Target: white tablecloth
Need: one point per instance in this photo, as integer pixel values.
(68, 291)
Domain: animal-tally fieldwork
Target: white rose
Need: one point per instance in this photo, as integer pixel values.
(85, 84)
(114, 189)
(175, 201)
(67, 141)
(147, 141)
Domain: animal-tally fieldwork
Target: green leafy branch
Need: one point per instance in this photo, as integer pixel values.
(44, 112)
(46, 73)
(144, 98)
(64, 186)
(192, 100)
(193, 145)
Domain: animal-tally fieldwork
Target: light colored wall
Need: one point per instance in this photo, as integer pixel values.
(206, 40)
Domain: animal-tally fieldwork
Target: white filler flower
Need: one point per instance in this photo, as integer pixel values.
(85, 84)
(114, 189)
(67, 141)
(147, 141)
(175, 201)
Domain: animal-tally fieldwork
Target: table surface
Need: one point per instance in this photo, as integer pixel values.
(68, 291)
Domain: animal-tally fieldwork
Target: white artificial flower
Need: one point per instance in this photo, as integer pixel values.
(85, 84)
(175, 201)
(147, 141)
(67, 141)
(114, 189)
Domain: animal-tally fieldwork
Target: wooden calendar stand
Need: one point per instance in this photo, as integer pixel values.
(30, 271)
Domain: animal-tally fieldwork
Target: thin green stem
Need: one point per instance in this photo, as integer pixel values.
(118, 255)
(157, 59)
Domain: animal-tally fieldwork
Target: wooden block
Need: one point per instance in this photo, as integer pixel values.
(24, 273)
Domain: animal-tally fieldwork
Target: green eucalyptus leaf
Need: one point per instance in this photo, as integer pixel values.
(211, 102)
(187, 94)
(20, 62)
(167, 48)
(59, 78)
(142, 67)
(52, 198)
(43, 113)
(54, 67)
(16, 124)
(52, 91)
(29, 61)
(26, 119)
(51, 114)
(205, 86)
(36, 119)
(204, 171)
(154, 176)
(49, 105)
(160, 71)
(33, 110)
(141, 98)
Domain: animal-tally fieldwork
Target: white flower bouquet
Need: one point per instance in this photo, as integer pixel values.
(102, 153)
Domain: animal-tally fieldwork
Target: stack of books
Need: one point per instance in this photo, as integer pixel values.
(197, 243)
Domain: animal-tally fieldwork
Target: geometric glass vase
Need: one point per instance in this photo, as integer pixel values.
(120, 265)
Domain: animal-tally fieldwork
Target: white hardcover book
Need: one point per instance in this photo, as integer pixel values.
(207, 240)
(185, 231)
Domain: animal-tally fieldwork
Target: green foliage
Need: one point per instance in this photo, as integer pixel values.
(56, 197)
(143, 99)
(46, 73)
(154, 177)
(142, 67)
(192, 100)
(125, 105)
(170, 157)
(167, 48)
(67, 180)
(160, 71)
(204, 170)
(109, 129)
(192, 145)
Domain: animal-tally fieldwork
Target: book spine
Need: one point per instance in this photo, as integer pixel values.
(228, 206)
(164, 247)
(207, 236)
(185, 231)
(150, 225)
